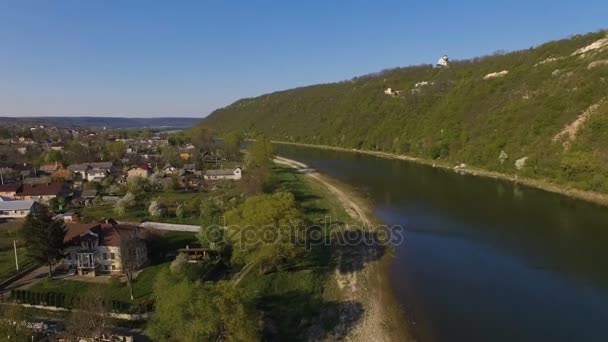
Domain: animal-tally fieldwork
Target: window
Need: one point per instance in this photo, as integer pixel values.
(113, 267)
(106, 267)
(105, 256)
(112, 256)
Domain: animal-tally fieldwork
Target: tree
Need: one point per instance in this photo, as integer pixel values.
(180, 211)
(44, 236)
(57, 204)
(124, 203)
(232, 144)
(129, 250)
(155, 209)
(260, 153)
(212, 237)
(264, 230)
(202, 311)
(90, 318)
(138, 185)
(13, 323)
(210, 213)
(170, 155)
(114, 150)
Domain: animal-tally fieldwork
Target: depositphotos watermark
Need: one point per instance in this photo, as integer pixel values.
(327, 232)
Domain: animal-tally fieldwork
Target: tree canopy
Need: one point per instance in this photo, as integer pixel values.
(44, 236)
(265, 229)
(456, 114)
(193, 311)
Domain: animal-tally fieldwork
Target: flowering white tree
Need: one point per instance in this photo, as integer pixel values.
(127, 201)
(155, 209)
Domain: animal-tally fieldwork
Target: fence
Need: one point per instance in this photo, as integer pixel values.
(170, 227)
(54, 301)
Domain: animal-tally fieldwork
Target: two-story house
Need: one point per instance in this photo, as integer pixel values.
(92, 171)
(142, 171)
(104, 248)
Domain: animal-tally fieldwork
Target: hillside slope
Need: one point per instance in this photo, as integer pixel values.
(545, 106)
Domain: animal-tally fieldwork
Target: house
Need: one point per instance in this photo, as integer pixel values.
(196, 254)
(42, 193)
(51, 167)
(102, 248)
(15, 209)
(85, 198)
(92, 171)
(26, 141)
(234, 174)
(189, 167)
(58, 146)
(142, 171)
(22, 150)
(443, 61)
(169, 170)
(185, 155)
(61, 174)
(10, 190)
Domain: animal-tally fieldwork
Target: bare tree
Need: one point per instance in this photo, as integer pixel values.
(90, 318)
(129, 258)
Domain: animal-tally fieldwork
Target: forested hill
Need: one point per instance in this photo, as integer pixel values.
(538, 112)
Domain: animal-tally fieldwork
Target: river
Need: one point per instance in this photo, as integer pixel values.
(483, 259)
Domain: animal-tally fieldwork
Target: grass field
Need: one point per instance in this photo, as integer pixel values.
(169, 200)
(9, 231)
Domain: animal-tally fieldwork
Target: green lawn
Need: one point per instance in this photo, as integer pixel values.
(142, 288)
(169, 200)
(9, 231)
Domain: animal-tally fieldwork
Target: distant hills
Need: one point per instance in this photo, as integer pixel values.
(540, 112)
(99, 122)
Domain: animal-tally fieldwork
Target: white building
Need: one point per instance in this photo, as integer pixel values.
(100, 248)
(15, 209)
(443, 61)
(92, 171)
(233, 174)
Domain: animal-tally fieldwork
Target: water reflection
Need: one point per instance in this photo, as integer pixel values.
(485, 259)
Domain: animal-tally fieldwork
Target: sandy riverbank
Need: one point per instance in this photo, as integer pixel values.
(383, 319)
(589, 196)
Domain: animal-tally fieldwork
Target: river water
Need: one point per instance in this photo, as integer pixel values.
(483, 259)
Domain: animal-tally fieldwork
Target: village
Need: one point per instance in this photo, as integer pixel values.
(128, 206)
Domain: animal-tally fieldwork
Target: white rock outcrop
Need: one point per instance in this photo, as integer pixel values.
(596, 64)
(548, 60)
(597, 45)
(503, 156)
(571, 130)
(496, 74)
(521, 163)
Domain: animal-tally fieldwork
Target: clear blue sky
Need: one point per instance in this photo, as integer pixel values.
(186, 58)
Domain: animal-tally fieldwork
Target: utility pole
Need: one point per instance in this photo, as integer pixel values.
(16, 257)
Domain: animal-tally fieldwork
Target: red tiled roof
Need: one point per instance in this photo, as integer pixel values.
(52, 165)
(110, 235)
(10, 187)
(41, 189)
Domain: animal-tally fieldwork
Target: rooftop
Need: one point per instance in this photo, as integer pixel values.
(16, 205)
